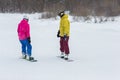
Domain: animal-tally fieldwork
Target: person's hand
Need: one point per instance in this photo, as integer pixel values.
(58, 33)
(29, 40)
(64, 37)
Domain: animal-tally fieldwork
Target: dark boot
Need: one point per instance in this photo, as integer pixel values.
(31, 58)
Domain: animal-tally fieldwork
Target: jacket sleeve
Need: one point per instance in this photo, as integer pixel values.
(28, 31)
(18, 28)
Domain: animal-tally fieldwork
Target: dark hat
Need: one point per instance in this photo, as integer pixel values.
(61, 14)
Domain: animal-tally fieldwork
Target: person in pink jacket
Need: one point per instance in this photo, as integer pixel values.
(24, 38)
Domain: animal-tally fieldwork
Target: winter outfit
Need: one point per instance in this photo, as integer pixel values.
(23, 30)
(24, 37)
(64, 33)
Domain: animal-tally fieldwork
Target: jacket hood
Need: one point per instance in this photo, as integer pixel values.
(65, 16)
(24, 21)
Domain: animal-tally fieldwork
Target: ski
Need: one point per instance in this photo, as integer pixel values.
(68, 60)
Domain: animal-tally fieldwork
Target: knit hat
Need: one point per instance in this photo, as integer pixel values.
(26, 17)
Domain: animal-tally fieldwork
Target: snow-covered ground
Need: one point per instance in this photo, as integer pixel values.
(95, 49)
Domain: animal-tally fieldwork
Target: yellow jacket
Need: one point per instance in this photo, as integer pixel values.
(64, 26)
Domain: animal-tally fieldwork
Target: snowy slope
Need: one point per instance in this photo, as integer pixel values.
(94, 47)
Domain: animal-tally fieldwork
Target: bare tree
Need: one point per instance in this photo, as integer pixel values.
(76, 7)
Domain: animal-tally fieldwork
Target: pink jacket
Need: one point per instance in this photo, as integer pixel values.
(23, 30)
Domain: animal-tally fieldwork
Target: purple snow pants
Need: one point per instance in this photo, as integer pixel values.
(64, 47)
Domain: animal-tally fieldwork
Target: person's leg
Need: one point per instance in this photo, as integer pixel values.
(61, 44)
(66, 47)
(23, 43)
(29, 48)
(62, 47)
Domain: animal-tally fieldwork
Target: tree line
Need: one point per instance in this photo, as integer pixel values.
(76, 7)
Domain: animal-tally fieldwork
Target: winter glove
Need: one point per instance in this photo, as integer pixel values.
(58, 33)
(64, 37)
(29, 40)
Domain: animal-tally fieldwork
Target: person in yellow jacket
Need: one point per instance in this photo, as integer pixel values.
(64, 33)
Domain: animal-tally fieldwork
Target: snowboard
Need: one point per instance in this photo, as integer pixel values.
(69, 60)
(30, 60)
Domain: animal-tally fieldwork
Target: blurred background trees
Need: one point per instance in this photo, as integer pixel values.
(76, 7)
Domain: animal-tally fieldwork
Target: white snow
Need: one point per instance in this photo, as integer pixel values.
(95, 49)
